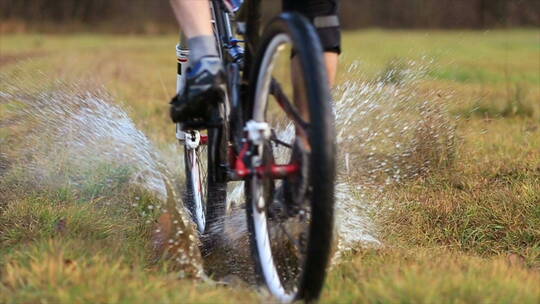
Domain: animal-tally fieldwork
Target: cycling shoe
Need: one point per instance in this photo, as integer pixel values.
(204, 89)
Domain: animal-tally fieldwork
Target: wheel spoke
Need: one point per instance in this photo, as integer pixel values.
(277, 91)
(203, 172)
(274, 138)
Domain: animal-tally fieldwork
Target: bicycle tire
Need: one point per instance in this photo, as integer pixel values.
(216, 181)
(321, 135)
(195, 192)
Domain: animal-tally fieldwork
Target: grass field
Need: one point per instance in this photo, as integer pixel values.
(465, 232)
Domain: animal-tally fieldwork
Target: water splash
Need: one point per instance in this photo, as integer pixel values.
(69, 137)
(388, 131)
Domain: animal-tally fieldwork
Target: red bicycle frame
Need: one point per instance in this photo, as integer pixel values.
(239, 170)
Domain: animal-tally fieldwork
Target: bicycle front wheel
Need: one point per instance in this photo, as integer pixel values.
(290, 216)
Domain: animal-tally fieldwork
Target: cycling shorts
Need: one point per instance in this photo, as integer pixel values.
(324, 16)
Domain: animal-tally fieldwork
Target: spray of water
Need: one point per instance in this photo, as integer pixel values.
(67, 136)
(388, 131)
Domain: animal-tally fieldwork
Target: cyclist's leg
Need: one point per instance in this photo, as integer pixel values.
(323, 14)
(205, 74)
(331, 59)
(195, 21)
(193, 17)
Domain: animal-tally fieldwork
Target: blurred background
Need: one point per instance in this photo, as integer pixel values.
(143, 16)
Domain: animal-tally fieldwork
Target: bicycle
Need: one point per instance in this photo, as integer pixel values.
(283, 151)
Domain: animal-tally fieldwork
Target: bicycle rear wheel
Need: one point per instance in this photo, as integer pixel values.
(291, 219)
(195, 154)
(206, 188)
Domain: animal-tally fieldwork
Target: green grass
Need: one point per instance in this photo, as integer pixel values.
(467, 232)
(493, 73)
(430, 275)
(64, 250)
(460, 56)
